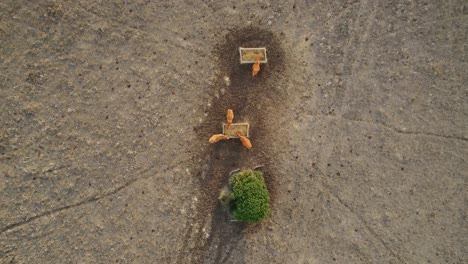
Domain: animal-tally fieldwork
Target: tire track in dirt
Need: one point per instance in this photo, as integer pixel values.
(255, 100)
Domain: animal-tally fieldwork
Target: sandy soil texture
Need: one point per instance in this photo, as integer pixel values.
(358, 120)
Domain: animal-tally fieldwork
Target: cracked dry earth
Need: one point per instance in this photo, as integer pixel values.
(359, 120)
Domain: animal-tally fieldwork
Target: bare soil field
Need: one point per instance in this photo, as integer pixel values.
(358, 121)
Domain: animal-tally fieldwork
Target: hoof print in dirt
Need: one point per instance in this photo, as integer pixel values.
(247, 198)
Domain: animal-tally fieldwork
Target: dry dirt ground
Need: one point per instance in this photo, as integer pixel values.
(359, 120)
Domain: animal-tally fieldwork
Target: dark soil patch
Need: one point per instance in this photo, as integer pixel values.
(254, 100)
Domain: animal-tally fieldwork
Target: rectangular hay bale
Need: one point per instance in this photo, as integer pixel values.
(243, 128)
(249, 55)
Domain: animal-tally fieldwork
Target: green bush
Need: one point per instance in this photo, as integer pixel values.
(249, 200)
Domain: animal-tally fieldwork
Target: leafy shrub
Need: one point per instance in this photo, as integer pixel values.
(249, 200)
